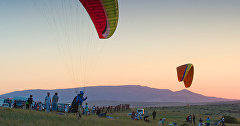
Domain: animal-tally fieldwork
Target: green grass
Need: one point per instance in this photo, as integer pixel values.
(18, 117)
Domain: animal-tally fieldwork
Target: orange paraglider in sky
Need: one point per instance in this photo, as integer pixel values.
(185, 74)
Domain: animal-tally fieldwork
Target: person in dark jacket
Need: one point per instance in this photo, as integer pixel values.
(154, 115)
(194, 120)
(29, 102)
(15, 104)
(98, 112)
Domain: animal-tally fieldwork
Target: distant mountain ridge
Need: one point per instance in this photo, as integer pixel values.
(126, 93)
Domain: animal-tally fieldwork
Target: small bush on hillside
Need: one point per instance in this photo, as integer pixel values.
(230, 119)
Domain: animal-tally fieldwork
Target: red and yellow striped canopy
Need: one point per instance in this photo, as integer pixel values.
(104, 15)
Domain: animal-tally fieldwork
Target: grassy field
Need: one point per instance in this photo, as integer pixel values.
(18, 117)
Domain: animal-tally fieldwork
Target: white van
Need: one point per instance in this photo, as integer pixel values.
(2, 103)
(140, 111)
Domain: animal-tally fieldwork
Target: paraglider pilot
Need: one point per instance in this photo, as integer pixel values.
(80, 99)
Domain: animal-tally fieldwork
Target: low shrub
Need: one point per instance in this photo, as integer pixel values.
(230, 119)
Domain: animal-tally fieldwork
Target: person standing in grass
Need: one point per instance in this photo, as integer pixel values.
(154, 115)
(55, 101)
(29, 102)
(86, 109)
(208, 121)
(223, 121)
(80, 99)
(48, 102)
(93, 109)
(190, 118)
(193, 119)
(187, 119)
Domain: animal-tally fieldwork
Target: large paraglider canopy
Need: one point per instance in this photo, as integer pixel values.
(104, 14)
(185, 74)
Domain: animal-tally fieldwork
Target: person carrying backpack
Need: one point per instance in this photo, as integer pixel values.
(79, 100)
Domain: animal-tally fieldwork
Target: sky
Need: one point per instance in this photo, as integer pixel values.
(153, 37)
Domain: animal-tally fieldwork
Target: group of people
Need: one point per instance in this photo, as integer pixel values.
(77, 107)
(161, 121)
(139, 116)
(49, 103)
(221, 121)
(201, 123)
(191, 119)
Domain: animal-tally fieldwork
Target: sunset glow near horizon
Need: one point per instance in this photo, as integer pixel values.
(153, 38)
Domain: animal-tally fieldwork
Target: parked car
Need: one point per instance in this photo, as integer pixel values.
(2, 103)
(20, 101)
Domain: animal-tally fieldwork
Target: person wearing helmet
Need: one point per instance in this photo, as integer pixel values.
(80, 99)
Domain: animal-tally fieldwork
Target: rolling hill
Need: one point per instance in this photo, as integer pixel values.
(127, 93)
